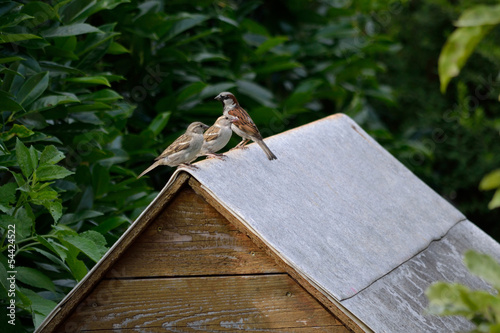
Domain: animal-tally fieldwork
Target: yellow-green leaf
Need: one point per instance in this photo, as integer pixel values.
(457, 50)
(491, 181)
(495, 202)
(479, 15)
(483, 266)
(100, 80)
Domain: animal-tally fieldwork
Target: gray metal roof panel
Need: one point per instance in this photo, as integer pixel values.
(335, 205)
(396, 302)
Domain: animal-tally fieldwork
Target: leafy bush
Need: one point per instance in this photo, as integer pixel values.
(63, 188)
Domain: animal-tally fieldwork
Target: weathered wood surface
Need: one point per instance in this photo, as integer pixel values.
(60, 312)
(189, 237)
(396, 302)
(269, 303)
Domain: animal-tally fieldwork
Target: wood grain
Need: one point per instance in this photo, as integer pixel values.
(353, 325)
(270, 303)
(189, 237)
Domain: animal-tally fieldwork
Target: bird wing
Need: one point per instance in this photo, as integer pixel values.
(182, 143)
(211, 134)
(244, 122)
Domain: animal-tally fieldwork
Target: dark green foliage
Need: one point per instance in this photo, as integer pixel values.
(64, 186)
(92, 91)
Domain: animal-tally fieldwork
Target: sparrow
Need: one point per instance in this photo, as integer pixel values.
(217, 137)
(183, 150)
(244, 125)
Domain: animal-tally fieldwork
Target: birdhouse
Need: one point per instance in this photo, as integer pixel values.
(335, 235)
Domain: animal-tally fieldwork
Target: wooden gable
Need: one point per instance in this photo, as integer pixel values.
(190, 269)
(334, 235)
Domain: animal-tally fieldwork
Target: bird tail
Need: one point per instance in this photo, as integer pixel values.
(266, 150)
(154, 165)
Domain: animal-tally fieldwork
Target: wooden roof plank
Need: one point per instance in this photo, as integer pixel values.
(397, 301)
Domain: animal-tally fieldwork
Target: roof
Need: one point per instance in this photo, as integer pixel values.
(348, 218)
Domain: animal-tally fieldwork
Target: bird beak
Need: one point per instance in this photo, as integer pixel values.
(205, 126)
(217, 97)
(234, 119)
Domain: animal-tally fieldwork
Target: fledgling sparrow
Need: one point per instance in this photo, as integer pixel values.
(217, 137)
(244, 126)
(183, 150)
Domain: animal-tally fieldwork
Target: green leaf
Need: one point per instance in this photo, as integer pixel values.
(117, 48)
(51, 172)
(7, 103)
(10, 59)
(40, 11)
(483, 266)
(3, 277)
(32, 88)
(277, 66)
(74, 8)
(447, 299)
(70, 30)
(257, 92)
(33, 157)
(55, 209)
(34, 278)
(58, 69)
(50, 155)
(7, 196)
(159, 122)
(479, 15)
(39, 304)
(12, 38)
(51, 101)
(186, 21)
(17, 130)
(110, 224)
(491, 181)
(97, 238)
(495, 202)
(25, 220)
(457, 50)
(86, 245)
(43, 196)
(6, 220)
(23, 157)
(270, 43)
(13, 19)
(79, 216)
(190, 90)
(100, 80)
(103, 95)
(78, 268)
(101, 5)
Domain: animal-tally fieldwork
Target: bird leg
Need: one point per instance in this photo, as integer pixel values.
(218, 156)
(241, 145)
(188, 165)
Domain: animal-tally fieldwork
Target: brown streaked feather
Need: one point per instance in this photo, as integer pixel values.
(181, 143)
(211, 134)
(244, 122)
